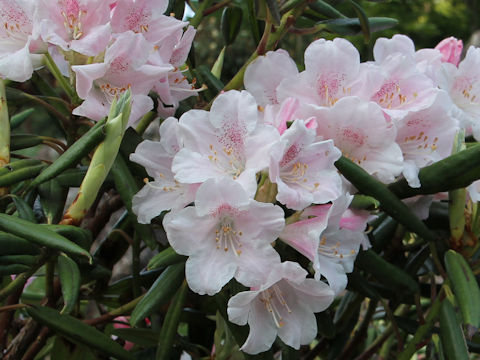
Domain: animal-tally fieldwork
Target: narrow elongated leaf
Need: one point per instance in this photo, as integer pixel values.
(160, 292)
(24, 210)
(451, 334)
(142, 337)
(78, 331)
(465, 287)
(456, 171)
(13, 269)
(70, 281)
(274, 11)
(170, 325)
(363, 19)
(17, 165)
(11, 245)
(52, 199)
(326, 9)
(386, 273)
(79, 236)
(24, 141)
(230, 23)
(17, 119)
(17, 176)
(353, 26)
(18, 259)
(74, 154)
(389, 202)
(166, 257)
(40, 235)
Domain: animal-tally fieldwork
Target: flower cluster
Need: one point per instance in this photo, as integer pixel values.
(104, 47)
(259, 167)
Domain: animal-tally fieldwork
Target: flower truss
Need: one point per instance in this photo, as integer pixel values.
(104, 47)
(222, 171)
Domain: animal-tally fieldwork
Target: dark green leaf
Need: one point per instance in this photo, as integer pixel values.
(78, 331)
(451, 334)
(230, 23)
(165, 258)
(70, 281)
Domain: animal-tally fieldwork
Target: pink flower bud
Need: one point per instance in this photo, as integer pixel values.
(451, 49)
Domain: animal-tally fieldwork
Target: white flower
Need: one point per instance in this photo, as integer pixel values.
(225, 142)
(303, 168)
(285, 305)
(225, 235)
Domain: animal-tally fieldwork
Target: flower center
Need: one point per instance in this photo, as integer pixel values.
(112, 91)
(16, 23)
(72, 15)
(227, 160)
(275, 303)
(420, 142)
(390, 96)
(332, 251)
(227, 237)
(297, 174)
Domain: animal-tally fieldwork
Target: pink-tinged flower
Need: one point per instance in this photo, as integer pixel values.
(363, 134)
(228, 142)
(426, 136)
(78, 25)
(225, 235)
(303, 168)
(125, 66)
(330, 236)
(17, 43)
(463, 86)
(451, 50)
(145, 17)
(384, 47)
(164, 193)
(332, 71)
(280, 115)
(263, 75)
(404, 88)
(284, 305)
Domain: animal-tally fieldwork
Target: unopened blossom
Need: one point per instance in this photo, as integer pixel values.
(225, 235)
(303, 168)
(332, 71)
(78, 25)
(124, 67)
(265, 73)
(451, 50)
(426, 136)
(363, 134)
(164, 193)
(227, 142)
(330, 236)
(283, 305)
(19, 46)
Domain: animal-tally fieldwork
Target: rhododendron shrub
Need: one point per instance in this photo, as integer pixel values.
(319, 208)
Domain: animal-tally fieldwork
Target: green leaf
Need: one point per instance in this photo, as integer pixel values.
(230, 23)
(24, 141)
(364, 22)
(17, 119)
(142, 337)
(353, 26)
(389, 202)
(388, 274)
(170, 324)
(40, 235)
(17, 165)
(74, 153)
(70, 281)
(78, 332)
(12, 245)
(326, 9)
(165, 258)
(456, 171)
(159, 293)
(13, 269)
(465, 288)
(52, 199)
(17, 176)
(451, 334)
(24, 210)
(79, 236)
